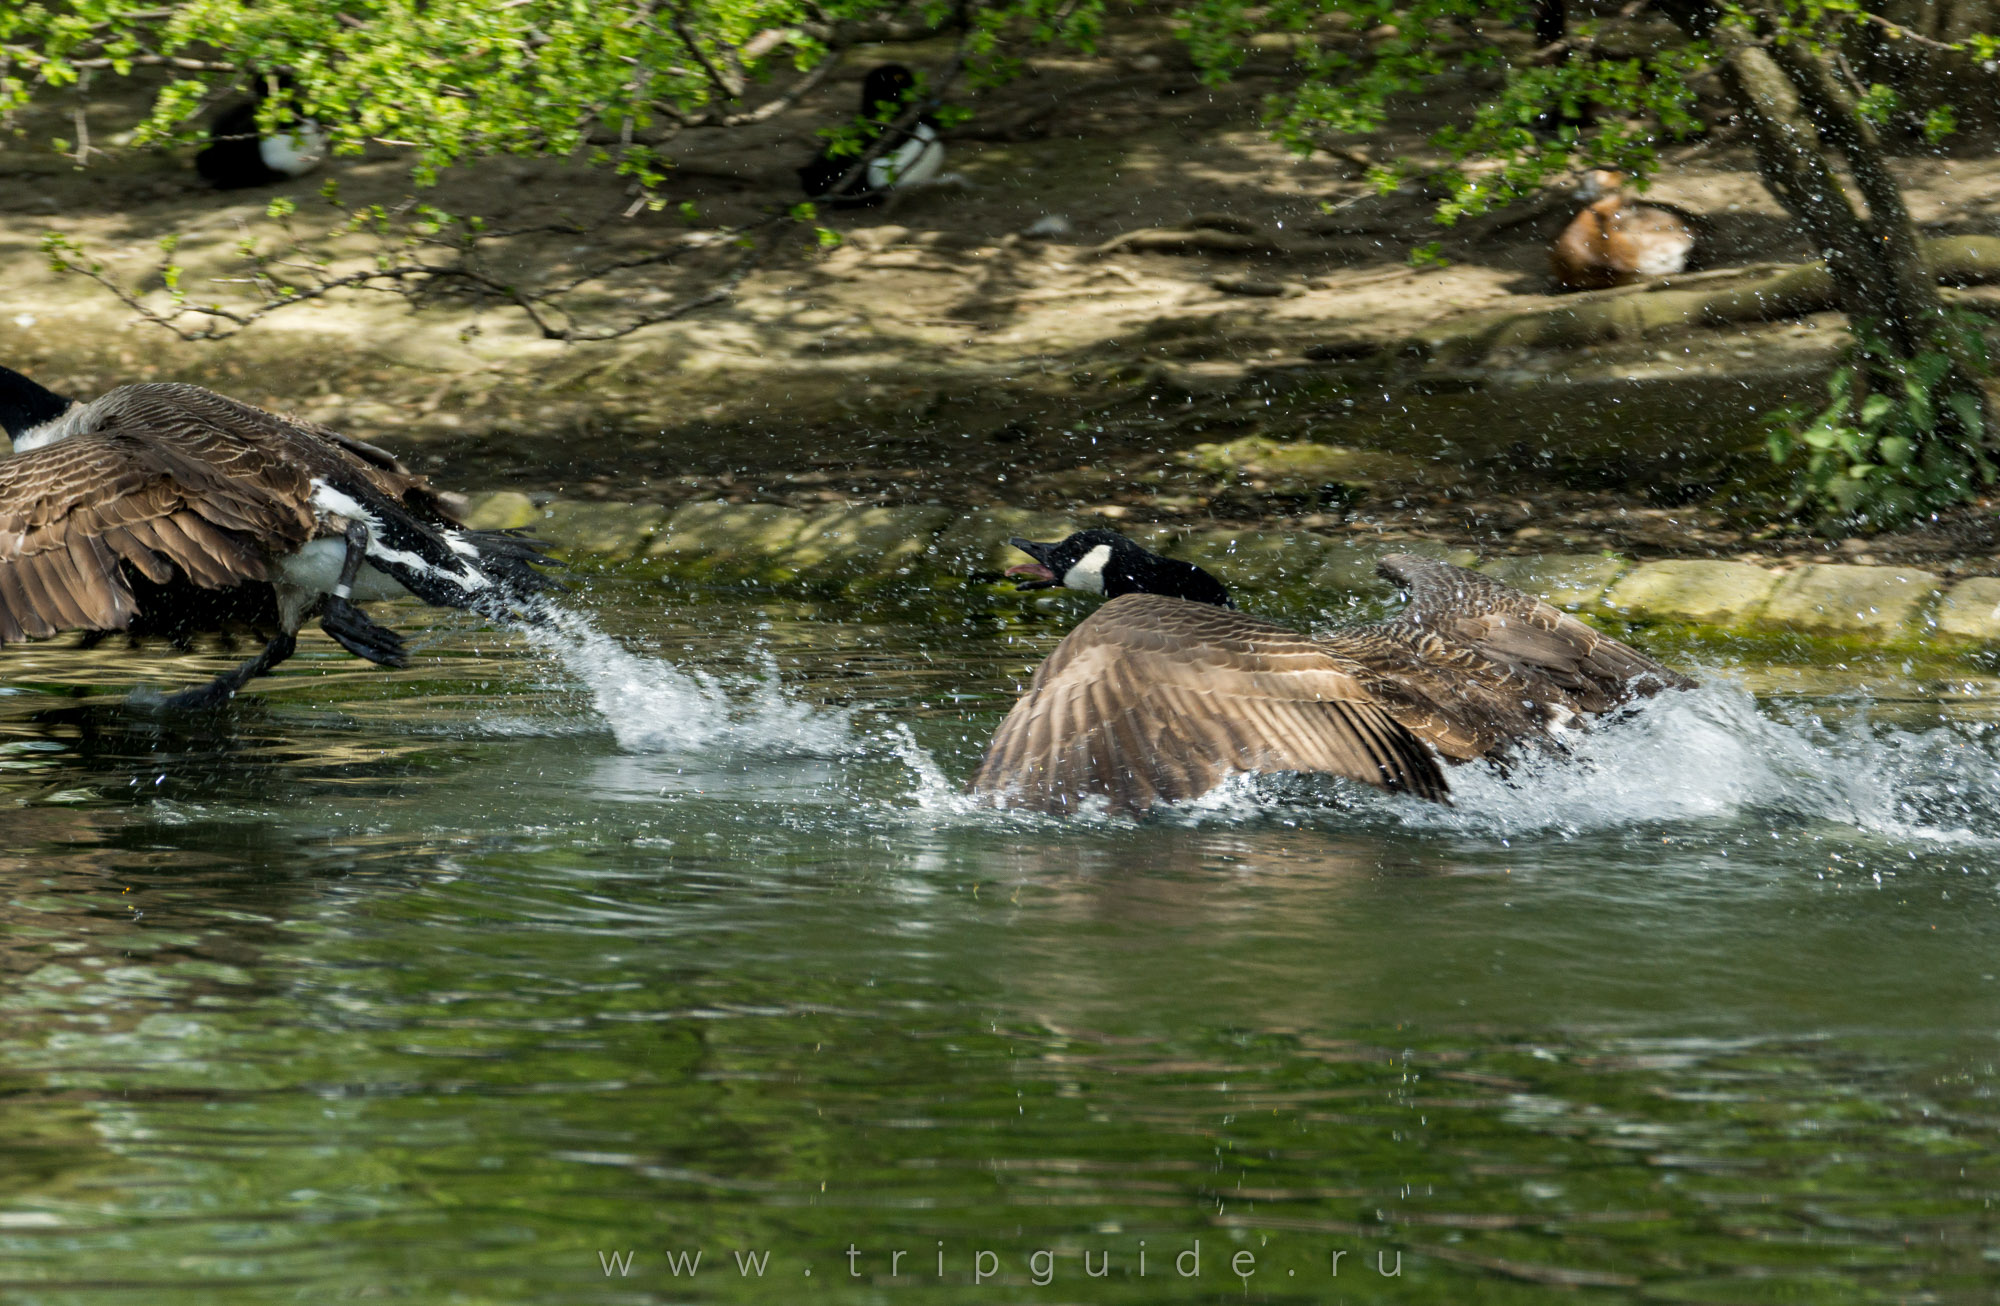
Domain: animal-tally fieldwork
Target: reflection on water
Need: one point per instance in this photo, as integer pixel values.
(447, 983)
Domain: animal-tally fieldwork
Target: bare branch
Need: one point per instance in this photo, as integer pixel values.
(1902, 33)
(159, 61)
(772, 108)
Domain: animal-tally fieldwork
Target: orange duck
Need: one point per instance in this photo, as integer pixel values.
(1616, 241)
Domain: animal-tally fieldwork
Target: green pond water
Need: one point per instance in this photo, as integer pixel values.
(529, 973)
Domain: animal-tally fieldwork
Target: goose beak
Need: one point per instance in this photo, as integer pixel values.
(1034, 575)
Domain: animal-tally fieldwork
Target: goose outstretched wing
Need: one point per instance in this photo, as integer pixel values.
(196, 504)
(1155, 699)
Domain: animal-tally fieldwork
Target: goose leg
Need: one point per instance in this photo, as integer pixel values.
(224, 687)
(349, 626)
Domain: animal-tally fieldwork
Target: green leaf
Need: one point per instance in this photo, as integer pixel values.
(1970, 413)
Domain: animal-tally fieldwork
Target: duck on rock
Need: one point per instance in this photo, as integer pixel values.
(1616, 240)
(168, 510)
(1167, 690)
(911, 154)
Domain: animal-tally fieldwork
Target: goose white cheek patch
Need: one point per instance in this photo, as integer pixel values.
(1087, 574)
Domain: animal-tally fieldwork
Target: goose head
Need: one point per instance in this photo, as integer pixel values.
(25, 406)
(1105, 562)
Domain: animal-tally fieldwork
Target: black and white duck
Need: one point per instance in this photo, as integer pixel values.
(913, 155)
(240, 154)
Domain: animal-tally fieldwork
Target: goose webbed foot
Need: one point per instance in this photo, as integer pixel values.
(217, 693)
(353, 631)
(348, 625)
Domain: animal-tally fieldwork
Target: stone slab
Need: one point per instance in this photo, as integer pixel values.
(503, 510)
(1971, 610)
(1301, 465)
(1832, 599)
(1568, 580)
(719, 540)
(1695, 590)
(849, 543)
(616, 530)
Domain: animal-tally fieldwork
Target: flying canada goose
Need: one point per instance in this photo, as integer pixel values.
(1166, 690)
(912, 156)
(240, 154)
(1616, 240)
(169, 510)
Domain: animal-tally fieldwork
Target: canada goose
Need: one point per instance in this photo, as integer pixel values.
(1616, 240)
(1166, 690)
(166, 509)
(239, 154)
(912, 157)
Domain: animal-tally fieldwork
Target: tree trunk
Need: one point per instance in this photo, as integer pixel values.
(1799, 114)
(1795, 108)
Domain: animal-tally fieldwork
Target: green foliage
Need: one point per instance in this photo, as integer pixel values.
(1900, 437)
(1429, 256)
(1359, 57)
(452, 80)
(1939, 123)
(1879, 103)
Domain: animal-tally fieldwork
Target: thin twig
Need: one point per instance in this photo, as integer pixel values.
(1903, 33)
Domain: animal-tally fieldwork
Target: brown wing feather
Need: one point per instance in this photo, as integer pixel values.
(167, 479)
(1153, 699)
(1565, 661)
(271, 444)
(71, 512)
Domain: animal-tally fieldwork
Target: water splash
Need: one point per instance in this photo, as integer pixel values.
(934, 791)
(1709, 755)
(653, 706)
(1714, 754)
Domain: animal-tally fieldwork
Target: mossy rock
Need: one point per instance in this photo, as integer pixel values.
(843, 545)
(1301, 466)
(612, 530)
(1831, 599)
(503, 510)
(719, 541)
(1691, 590)
(1568, 580)
(1970, 610)
(1272, 561)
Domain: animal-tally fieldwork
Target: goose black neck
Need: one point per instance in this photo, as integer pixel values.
(1169, 576)
(25, 405)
